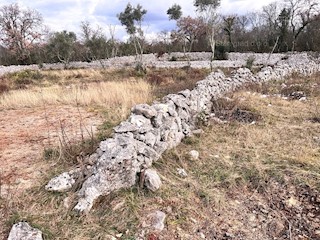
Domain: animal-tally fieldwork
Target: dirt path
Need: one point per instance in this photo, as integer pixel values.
(25, 133)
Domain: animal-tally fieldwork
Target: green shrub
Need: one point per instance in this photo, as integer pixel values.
(173, 59)
(220, 53)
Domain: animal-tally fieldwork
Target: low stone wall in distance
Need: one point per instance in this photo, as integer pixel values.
(197, 60)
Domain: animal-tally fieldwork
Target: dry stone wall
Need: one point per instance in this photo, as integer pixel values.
(151, 130)
(198, 60)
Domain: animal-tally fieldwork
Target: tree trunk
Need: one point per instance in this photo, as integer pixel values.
(212, 42)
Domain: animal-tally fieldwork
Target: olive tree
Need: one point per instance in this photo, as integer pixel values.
(132, 18)
(95, 43)
(61, 45)
(174, 12)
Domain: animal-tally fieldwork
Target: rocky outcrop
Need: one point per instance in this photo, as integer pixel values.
(151, 130)
(23, 231)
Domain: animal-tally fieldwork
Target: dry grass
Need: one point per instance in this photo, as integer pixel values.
(102, 94)
(237, 163)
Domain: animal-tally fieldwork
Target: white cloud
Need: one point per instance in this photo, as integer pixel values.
(67, 14)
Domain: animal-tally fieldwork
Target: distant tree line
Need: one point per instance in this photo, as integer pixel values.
(292, 25)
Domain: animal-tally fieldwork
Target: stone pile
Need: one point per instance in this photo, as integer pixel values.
(151, 130)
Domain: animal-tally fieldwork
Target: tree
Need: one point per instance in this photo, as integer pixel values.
(228, 27)
(174, 12)
(303, 13)
(283, 26)
(207, 9)
(20, 30)
(190, 30)
(132, 19)
(62, 46)
(270, 14)
(95, 41)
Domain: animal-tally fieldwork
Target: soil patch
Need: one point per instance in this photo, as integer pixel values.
(25, 133)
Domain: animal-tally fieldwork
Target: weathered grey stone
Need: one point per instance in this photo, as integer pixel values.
(23, 231)
(152, 180)
(125, 127)
(145, 110)
(194, 155)
(155, 221)
(64, 182)
(198, 132)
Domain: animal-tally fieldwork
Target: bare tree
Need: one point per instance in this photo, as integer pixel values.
(302, 13)
(113, 41)
(208, 12)
(20, 30)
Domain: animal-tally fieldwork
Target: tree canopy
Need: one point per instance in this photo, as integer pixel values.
(174, 12)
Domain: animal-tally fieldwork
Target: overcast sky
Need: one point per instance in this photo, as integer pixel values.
(67, 14)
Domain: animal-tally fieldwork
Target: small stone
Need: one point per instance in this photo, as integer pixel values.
(229, 235)
(182, 172)
(119, 235)
(202, 236)
(110, 237)
(193, 220)
(23, 231)
(198, 132)
(194, 155)
(292, 202)
(67, 202)
(152, 180)
(156, 221)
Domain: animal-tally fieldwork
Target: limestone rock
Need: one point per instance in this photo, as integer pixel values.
(152, 180)
(23, 231)
(194, 155)
(182, 172)
(125, 127)
(64, 182)
(155, 221)
(145, 110)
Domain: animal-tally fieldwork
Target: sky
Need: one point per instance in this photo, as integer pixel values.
(67, 15)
